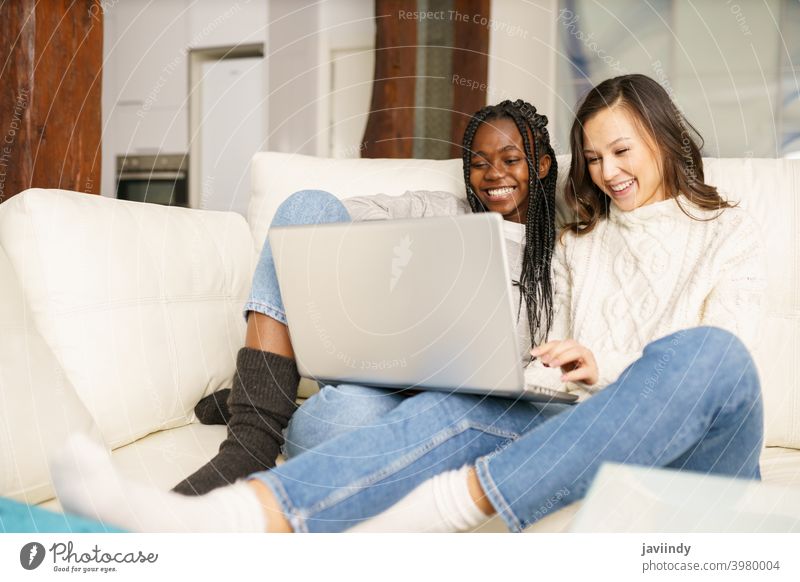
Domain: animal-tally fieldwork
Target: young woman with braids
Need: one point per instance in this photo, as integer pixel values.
(262, 398)
(652, 250)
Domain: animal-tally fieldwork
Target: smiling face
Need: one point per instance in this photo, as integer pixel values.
(622, 159)
(499, 170)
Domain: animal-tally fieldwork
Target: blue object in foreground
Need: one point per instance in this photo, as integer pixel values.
(16, 517)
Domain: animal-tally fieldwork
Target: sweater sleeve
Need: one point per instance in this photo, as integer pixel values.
(736, 301)
(411, 204)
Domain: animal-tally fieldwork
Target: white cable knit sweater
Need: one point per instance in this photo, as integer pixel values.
(641, 275)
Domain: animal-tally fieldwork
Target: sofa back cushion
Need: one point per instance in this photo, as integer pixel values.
(275, 176)
(769, 189)
(140, 303)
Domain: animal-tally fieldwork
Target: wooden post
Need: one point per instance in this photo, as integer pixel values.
(390, 125)
(50, 82)
(470, 62)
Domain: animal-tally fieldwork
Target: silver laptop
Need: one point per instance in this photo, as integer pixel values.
(404, 304)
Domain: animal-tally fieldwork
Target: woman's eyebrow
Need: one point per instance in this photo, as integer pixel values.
(591, 151)
(483, 154)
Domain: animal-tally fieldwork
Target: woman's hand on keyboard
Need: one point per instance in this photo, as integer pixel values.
(577, 362)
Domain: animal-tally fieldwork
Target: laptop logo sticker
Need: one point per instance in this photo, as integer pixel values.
(402, 255)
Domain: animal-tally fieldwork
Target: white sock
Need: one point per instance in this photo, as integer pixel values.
(440, 504)
(87, 484)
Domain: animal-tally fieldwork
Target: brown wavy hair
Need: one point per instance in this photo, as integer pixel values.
(677, 141)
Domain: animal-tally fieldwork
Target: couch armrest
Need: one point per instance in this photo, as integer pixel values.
(139, 303)
(38, 405)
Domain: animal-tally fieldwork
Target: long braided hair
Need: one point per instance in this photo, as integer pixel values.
(535, 282)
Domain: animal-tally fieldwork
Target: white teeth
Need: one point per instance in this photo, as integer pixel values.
(621, 187)
(500, 191)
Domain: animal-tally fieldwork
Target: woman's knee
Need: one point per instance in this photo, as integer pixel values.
(335, 410)
(352, 404)
(310, 207)
(443, 405)
(697, 341)
(716, 357)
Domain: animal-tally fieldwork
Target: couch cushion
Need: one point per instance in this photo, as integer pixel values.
(770, 191)
(275, 176)
(140, 303)
(38, 406)
(781, 466)
(164, 458)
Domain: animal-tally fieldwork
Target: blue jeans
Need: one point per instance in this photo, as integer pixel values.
(692, 401)
(303, 207)
(335, 409)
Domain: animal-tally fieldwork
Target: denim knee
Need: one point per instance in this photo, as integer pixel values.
(310, 207)
(301, 208)
(335, 410)
(450, 408)
(718, 352)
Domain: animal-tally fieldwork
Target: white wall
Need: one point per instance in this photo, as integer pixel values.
(145, 68)
(304, 39)
(306, 108)
(720, 60)
(145, 88)
(347, 41)
(292, 69)
(522, 55)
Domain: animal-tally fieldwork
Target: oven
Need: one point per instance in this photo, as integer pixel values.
(158, 179)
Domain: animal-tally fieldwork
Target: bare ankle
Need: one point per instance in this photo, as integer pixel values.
(273, 516)
(477, 493)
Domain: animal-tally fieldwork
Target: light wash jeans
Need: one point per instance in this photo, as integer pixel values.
(692, 401)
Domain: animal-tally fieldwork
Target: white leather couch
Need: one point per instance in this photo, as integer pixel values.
(117, 317)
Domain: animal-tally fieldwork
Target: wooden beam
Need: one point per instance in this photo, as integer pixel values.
(470, 62)
(390, 125)
(50, 118)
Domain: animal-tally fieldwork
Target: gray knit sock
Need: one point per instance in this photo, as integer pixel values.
(261, 402)
(213, 409)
